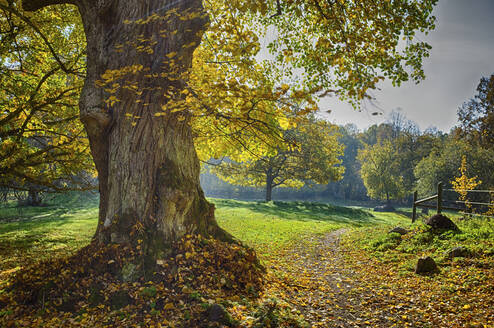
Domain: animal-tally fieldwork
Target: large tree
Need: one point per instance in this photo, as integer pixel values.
(140, 99)
(312, 156)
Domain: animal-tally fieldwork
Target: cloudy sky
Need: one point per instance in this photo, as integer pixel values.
(462, 52)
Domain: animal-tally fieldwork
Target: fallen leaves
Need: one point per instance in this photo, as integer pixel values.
(86, 290)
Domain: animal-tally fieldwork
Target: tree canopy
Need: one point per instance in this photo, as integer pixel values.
(168, 83)
(476, 116)
(380, 171)
(42, 141)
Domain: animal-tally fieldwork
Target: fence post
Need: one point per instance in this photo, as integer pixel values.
(439, 197)
(414, 211)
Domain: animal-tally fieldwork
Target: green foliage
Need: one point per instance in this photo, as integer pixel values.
(476, 116)
(347, 47)
(444, 160)
(380, 171)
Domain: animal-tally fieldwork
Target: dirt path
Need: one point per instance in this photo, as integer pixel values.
(316, 282)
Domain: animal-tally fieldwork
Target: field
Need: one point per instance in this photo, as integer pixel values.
(367, 279)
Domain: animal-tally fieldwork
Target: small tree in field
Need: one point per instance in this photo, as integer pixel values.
(380, 171)
(313, 154)
(463, 184)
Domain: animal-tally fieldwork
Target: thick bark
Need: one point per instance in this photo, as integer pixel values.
(147, 165)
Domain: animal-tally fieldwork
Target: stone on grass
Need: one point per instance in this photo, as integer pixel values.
(426, 265)
(459, 251)
(441, 222)
(400, 230)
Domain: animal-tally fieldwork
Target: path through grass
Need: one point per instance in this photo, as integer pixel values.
(269, 227)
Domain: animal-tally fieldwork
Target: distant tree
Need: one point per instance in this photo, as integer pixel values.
(351, 186)
(401, 125)
(442, 164)
(380, 171)
(376, 133)
(476, 116)
(312, 155)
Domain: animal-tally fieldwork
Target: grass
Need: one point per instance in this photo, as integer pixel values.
(30, 234)
(476, 234)
(268, 227)
(67, 222)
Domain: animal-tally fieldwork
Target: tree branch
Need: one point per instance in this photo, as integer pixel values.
(33, 5)
(278, 9)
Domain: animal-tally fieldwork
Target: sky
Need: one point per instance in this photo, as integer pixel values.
(462, 52)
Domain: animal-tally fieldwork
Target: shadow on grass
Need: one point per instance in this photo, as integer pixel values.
(297, 210)
(64, 220)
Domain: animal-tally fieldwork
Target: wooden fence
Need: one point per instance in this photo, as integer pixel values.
(439, 201)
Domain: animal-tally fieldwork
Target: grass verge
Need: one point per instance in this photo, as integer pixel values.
(460, 295)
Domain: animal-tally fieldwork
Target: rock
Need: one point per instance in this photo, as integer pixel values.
(120, 299)
(130, 272)
(384, 208)
(400, 230)
(426, 265)
(441, 222)
(459, 251)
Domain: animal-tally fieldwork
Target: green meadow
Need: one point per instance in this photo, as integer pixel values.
(67, 222)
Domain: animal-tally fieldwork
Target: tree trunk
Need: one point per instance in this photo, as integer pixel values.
(269, 185)
(147, 165)
(33, 198)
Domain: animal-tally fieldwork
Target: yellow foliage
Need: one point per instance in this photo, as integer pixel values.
(463, 184)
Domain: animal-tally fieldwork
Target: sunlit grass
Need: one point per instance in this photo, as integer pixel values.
(29, 234)
(268, 227)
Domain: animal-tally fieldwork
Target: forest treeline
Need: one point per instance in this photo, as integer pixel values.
(411, 159)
